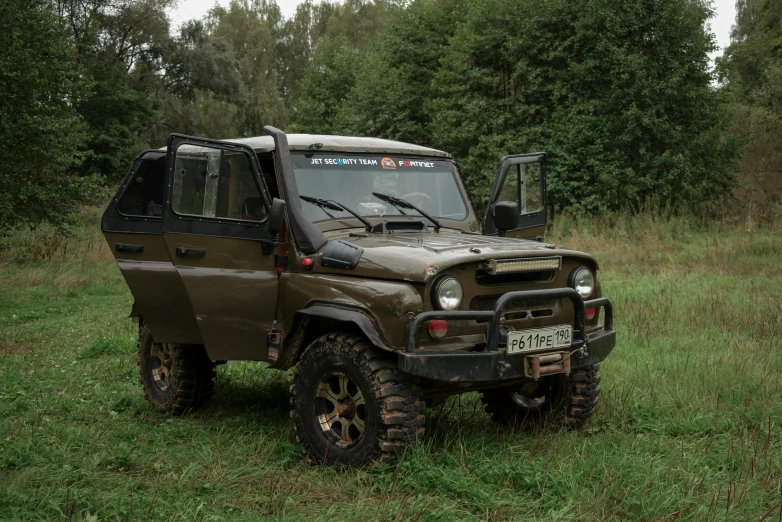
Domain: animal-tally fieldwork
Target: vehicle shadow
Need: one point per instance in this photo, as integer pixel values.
(265, 393)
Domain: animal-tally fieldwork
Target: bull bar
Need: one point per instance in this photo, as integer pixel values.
(493, 364)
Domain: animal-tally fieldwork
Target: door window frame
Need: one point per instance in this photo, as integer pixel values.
(528, 220)
(115, 221)
(207, 225)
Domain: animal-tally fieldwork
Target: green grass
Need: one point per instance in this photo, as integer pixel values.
(688, 427)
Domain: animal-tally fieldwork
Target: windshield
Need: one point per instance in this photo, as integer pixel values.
(350, 179)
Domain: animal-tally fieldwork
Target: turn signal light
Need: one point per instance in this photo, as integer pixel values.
(306, 263)
(438, 328)
(590, 313)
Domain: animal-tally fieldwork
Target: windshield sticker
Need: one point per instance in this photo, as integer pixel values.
(425, 164)
(343, 161)
(388, 163)
(356, 162)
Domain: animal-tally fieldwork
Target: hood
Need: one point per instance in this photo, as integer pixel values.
(412, 257)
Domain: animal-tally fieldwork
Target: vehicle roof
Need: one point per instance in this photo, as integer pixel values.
(321, 142)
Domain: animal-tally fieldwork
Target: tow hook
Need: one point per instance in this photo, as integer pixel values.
(503, 367)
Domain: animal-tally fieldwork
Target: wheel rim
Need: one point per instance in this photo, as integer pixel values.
(161, 365)
(341, 409)
(528, 402)
(532, 396)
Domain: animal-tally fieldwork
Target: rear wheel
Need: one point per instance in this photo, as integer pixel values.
(177, 378)
(565, 399)
(351, 404)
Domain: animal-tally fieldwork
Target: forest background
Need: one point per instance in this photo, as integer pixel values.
(621, 95)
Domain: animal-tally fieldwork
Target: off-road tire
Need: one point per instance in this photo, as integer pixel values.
(191, 379)
(570, 401)
(392, 409)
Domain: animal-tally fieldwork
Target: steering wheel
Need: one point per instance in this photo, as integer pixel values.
(420, 195)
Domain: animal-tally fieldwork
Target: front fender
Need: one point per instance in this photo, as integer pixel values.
(363, 319)
(380, 309)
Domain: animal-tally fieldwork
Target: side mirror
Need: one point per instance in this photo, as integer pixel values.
(506, 216)
(276, 216)
(275, 225)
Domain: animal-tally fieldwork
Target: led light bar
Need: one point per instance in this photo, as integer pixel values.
(507, 266)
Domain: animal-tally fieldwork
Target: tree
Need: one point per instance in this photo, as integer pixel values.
(325, 85)
(42, 137)
(751, 70)
(196, 81)
(252, 30)
(324, 52)
(112, 37)
(393, 82)
(620, 95)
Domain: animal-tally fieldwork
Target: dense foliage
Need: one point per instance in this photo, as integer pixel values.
(752, 72)
(42, 136)
(620, 94)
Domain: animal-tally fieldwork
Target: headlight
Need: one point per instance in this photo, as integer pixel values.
(448, 293)
(583, 282)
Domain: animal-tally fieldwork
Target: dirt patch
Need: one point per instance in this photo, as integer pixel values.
(14, 348)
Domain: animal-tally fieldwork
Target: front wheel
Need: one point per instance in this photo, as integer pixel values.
(564, 399)
(351, 404)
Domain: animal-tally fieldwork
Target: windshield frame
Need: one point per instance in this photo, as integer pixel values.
(464, 223)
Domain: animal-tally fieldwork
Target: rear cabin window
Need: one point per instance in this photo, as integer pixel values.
(144, 195)
(216, 183)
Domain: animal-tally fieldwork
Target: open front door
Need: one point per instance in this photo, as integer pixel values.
(215, 224)
(521, 179)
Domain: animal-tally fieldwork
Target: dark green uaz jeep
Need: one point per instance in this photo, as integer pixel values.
(361, 263)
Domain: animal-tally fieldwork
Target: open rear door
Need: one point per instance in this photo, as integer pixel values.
(215, 225)
(132, 226)
(521, 179)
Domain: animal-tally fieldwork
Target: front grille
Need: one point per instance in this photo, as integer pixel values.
(538, 276)
(486, 302)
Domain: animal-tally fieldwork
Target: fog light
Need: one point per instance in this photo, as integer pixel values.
(438, 328)
(590, 313)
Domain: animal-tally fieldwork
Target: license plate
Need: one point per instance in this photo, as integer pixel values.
(540, 338)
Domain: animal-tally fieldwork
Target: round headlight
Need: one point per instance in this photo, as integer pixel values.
(584, 282)
(448, 293)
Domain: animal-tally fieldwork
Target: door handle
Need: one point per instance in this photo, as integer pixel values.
(188, 251)
(125, 247)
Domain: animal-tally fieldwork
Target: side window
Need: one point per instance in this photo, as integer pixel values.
(266, 162)
(522, 184)
(144, 194)
(216, 183)
(531, 188)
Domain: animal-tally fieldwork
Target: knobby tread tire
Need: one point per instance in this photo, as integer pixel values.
(193, 382)
(582, 391)
(401, 419)
(572, 402)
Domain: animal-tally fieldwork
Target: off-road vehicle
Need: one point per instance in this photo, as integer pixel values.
(361, 263)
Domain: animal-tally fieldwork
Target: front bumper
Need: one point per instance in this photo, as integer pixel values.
(494, 364)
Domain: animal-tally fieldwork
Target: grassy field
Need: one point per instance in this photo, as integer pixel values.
(688, 427)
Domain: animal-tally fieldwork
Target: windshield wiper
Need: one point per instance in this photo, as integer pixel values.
(336, 205)
(388, 198)
(322, 203)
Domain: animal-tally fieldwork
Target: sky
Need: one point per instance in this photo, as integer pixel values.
(188, 9)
